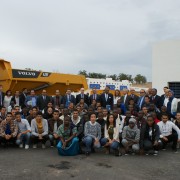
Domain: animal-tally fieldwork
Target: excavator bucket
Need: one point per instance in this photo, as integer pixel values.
(17, 79)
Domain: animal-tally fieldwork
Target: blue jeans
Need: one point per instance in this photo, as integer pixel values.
(113, 146)
(24, 138)
(89, 143)
(51, 138)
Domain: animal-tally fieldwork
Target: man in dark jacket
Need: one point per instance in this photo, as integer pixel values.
(82, 96)
(106, 99)
(17, 99)
(178, 107)
(53, 125)
(150, 135)
(155, 99)
(1, 95)
(43, 100)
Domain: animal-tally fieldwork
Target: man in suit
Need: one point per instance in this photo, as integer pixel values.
(125, 98)
(178, 107)
(82, 96)
(57, 99)
(23, 96)
(94, 96)
(68, 98)
(43, 100)
(17, 99)
(134, 96)
(141, 100)
(106, 99)
(165, 97)
(155, 99)
(1, 96)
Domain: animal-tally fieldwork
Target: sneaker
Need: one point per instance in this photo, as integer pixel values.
(178, 146)
(43, 146)
(164, 149)
(126, 154)
(147, 154)
(21, 146)
(175, 151)
(34, 146)
(155, 153)
(26, 146)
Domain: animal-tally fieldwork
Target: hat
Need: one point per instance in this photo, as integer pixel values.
(132, 120)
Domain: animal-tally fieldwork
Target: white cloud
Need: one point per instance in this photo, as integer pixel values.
(105, 36)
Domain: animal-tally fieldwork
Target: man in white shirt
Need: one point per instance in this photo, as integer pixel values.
(166, 128)
(24, 130)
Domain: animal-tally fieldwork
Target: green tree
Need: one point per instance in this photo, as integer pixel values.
(123, 76)
(114, 77)
(83, 72)
(97, 75)
(140, 79)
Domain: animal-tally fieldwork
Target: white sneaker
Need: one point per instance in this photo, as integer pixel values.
(34, 146)
(21, 146)
(26, 146)
(43, 146)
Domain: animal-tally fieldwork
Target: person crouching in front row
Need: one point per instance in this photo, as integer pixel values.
(92, 134)
(111, 140)
(24, 130)
(53, 125)
(69, 143)
(8, 130)
(39, 130)
(131, 137)
(149, 138)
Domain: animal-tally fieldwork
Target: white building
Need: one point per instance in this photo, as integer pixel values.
(166, 66)
(102, 83)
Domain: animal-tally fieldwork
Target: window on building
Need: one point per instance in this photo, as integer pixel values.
(175, 87)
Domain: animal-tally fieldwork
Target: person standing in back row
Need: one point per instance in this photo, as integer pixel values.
(94, 96)
(82, 96)
(106, 99)
(43, 100)
(68, 98)
(1, 96)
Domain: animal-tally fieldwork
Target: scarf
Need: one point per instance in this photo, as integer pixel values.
(40, 127)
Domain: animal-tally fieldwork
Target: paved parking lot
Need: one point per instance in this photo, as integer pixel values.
(47, 164)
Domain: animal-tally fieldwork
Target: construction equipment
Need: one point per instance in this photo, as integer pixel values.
(17, 79)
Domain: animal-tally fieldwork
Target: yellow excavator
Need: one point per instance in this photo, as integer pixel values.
(17, 79)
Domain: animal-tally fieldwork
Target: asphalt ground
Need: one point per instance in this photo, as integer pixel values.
(46, 164)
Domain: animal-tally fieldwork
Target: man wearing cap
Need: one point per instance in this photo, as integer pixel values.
(131, 137)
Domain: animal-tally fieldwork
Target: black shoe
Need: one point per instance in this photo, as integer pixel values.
(93, 150)
(87, 153)
(117, 153)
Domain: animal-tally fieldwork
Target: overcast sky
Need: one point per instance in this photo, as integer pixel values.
(106, 36)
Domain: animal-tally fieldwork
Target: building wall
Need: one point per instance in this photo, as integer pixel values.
(165, 64)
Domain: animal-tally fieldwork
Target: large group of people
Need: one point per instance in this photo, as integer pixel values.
(123, 122)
